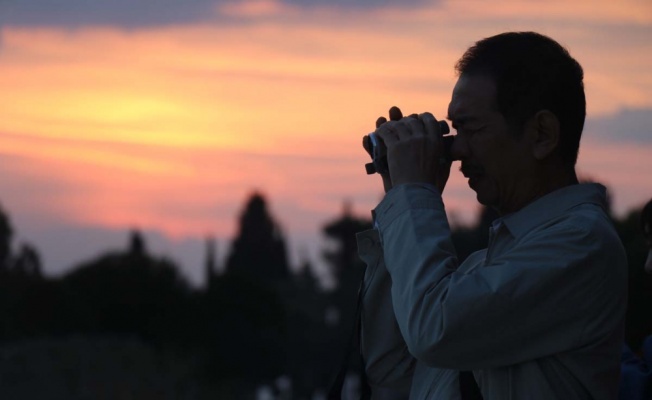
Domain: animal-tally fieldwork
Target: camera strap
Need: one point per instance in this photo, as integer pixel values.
(335, 391)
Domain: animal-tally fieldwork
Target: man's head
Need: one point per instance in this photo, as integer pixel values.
(519, 108)
(646, 225)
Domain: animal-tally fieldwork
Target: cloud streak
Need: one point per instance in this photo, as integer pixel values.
(168, 122)
(128, 14)
(625, 126)
(134, 14)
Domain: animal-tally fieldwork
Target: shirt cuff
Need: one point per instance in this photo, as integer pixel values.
(405, 197)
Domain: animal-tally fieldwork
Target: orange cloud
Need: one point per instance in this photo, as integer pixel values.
(256, 8)
(172, 127)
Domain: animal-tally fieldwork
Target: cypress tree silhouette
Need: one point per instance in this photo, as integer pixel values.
(6, 233)
(258, 252)
(210, 262)
(244, 316)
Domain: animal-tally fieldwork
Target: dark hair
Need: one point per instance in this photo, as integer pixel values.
(532, 73)
(646, 219)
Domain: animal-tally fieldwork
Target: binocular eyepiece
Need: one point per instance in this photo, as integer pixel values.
(379, 150)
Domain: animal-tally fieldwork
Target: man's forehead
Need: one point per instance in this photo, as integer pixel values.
(473, 96)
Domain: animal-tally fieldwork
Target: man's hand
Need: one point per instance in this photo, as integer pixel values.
(395, 114)
(415, 151)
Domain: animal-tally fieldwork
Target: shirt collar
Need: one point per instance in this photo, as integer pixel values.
(554, 204)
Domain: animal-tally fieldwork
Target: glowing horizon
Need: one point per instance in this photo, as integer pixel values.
(169, 127)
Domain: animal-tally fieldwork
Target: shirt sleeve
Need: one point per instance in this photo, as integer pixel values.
(388, 362)
(546, 295)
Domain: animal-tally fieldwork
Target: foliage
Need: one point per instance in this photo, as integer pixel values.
(256, 322)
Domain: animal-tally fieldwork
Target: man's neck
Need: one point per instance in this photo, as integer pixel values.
(541, 186)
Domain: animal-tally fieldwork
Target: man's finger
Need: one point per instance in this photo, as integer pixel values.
(366, 143)
(430, 124)
(414, 126)
(395, 114)
(380, 121)
(388, 133)
(404, 129)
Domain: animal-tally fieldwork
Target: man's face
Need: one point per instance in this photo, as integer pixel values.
(499, 165)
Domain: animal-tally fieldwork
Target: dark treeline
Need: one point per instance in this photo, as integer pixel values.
(128, 325)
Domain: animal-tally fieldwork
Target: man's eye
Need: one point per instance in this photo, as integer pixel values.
(469, 130)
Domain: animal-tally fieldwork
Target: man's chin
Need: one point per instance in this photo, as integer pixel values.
(482, 200)
(472, 182)
(484, 195)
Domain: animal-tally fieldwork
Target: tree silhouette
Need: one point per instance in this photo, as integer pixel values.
(243, 314)
(243, 328)
(25, 299)
(638, 322)
(210, 262)
(130, 292)
(249, 325)
(348, 269)
(258, 251)
(6, 233)
(345, 264)
(137, 247)
(28, 261)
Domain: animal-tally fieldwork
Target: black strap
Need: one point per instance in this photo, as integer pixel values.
(335, 392)
(365, 389)
(469, 388)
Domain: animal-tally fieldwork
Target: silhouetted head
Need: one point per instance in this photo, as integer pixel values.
(646, 224)
(519, 109)
(532, 72)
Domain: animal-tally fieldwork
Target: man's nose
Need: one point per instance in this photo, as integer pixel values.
(459, 149)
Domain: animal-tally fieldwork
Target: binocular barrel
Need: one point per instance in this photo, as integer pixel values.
(379, 153)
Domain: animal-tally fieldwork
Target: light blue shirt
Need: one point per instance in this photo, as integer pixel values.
(539, 314)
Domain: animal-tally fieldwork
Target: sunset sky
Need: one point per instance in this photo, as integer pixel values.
(167, 115)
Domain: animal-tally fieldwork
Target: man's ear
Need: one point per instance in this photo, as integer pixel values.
(543, 129)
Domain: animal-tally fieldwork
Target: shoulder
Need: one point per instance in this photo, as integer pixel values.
(585, 223)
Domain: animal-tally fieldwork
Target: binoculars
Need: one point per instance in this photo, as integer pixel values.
(379, 150)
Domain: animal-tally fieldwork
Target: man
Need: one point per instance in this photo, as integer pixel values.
(539, 314)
